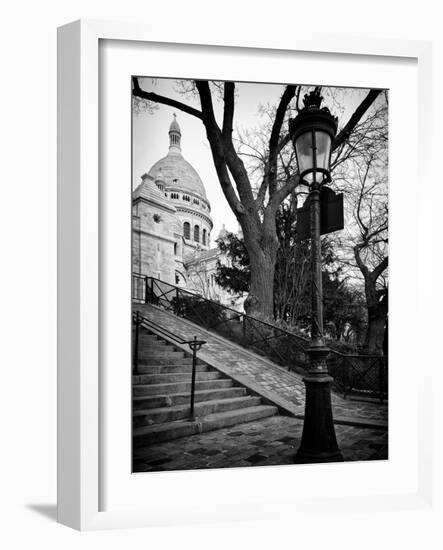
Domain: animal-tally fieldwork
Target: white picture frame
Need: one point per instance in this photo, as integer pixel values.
(81, 294)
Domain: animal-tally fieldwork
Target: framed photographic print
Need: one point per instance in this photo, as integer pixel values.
(202, 271)
(230, 252)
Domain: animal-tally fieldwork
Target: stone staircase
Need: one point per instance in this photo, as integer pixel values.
(162, 389)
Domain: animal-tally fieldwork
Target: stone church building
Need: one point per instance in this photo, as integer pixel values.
(172, 224)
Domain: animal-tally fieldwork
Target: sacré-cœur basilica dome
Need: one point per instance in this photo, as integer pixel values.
(178, 174)
(171, 215)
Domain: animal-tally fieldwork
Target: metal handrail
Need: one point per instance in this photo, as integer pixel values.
(194, 344)
(237, 313)
(350, 373)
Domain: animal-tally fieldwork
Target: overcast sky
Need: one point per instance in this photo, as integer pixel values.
(151, 140)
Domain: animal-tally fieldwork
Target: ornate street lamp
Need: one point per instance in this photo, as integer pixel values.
(312, 133)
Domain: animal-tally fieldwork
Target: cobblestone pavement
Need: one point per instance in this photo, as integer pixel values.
(271, 441)
(259, 371)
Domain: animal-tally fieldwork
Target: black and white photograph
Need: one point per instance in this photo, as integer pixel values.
(259, 274)
(222, 275)
(222, 261)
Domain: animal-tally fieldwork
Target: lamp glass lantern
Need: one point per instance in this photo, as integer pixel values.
(313, 131)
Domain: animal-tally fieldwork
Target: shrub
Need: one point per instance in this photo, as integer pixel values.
(202, 312)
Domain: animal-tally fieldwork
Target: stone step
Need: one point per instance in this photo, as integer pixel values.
(166, 369)
(173, 377)
(157, 342)
(165, 360)
(147, 435)
(150, 342)
(148, 353)
(147, 417)
(180, 387)
(157, 401)
(152, 349)
(149, 338)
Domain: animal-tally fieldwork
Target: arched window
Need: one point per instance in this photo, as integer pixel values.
(196, 233)
(204, 237)
(175, 249)
(187, 230)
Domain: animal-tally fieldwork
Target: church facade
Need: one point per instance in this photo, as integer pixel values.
(172, 225)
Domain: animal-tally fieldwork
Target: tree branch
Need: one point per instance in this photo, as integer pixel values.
(380, 268)
(284, 141)
(156, 98)
(360, 263)
(359, 203)
(206, 103)
(271, 166)
(276, 144)
(355, 118)
(228, 113)
(370, 236)
(214, 136)
(224, 148)
(283, 192)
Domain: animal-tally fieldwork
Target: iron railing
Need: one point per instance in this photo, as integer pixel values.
(353, 373)
(365, 375)
(139, 321)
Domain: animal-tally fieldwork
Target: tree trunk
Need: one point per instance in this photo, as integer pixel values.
(262, 245)
(260, 300)
(376, 304)
(376, 331)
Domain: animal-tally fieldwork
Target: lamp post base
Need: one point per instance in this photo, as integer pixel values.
(318, 443)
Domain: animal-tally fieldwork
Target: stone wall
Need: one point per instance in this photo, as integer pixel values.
(153, 241)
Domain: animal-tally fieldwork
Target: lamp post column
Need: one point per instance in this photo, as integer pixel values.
(318, 443)
(316, 277)
(312, 133)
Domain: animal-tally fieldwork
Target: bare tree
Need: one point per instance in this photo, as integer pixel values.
(360, 171)
(363, 245)
(371, 256)
(199, 277)
(255, 211)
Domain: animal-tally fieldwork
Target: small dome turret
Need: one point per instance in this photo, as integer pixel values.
(174, 135)
(160, 180)
(222, 234)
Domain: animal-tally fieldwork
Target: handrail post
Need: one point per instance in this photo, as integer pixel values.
(146, 290)
(194, 361)
(380, 378)
(136, 339)
(195, 346)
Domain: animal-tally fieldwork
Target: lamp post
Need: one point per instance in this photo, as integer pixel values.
(312, 133)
